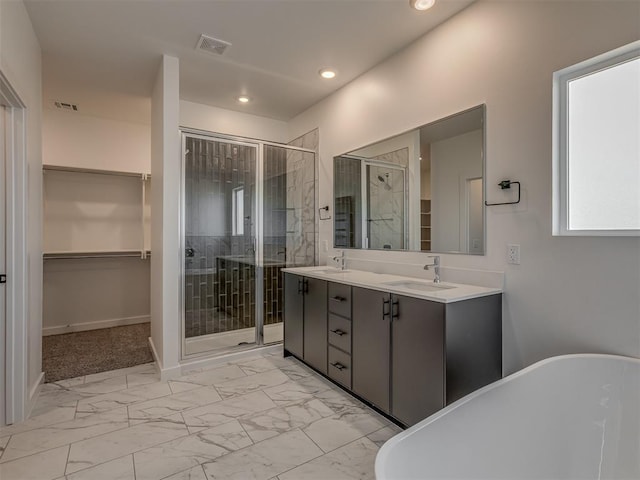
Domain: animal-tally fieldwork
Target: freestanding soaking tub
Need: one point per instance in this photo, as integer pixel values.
(568, 417)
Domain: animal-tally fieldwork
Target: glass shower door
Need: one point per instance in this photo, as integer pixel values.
(289, 233)
(219, 242)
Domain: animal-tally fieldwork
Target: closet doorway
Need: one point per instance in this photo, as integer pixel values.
(248, 210)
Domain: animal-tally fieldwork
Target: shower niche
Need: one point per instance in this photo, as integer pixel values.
(248, 210)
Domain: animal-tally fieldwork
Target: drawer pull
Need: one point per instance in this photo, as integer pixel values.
(338, 332)
(338, 298)
(338, 365)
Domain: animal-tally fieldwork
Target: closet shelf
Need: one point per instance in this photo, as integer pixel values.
(96, 254)
(60, 168)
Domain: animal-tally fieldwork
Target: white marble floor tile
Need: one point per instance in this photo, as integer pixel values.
(195, 473)
(34, 441)
(295, 391)
(142, 378)
(252, 366)
(178, 386)
(259, 381)
(48, 401)
(296, 371)
(118, 469)
(264, 460)
(226, 410)
(164, 406)
(59, 414)
(63, 384)
(97, 387)
(185, 452)
(102, 403)
(214, 376)
(3, 444)
(353, 461)
(94, 451)
(47, 465)
(121, 372)
(333, 432)
(379, 437)
(279, 420)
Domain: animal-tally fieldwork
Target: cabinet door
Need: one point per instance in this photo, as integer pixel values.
(370, 347)
(417, 358)
(293, 314)
(315, 324)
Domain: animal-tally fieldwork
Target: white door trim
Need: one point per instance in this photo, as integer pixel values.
(17, 396)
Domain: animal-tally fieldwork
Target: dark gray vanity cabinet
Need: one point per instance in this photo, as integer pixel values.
(398, 353)
(370, 354)
(417, 358)
(305, 326)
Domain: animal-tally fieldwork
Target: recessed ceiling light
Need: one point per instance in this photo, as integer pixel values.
(422, 4)
(327, 73)
(243, 99)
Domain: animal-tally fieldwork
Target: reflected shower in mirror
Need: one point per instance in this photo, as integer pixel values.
(422, 190)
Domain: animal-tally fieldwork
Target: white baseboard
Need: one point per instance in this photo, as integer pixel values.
(165, 373)
(34, 393)
(83, 327)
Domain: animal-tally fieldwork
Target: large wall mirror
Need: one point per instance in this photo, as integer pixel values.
(422, 190)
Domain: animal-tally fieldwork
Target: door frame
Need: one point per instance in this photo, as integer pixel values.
(15, 361)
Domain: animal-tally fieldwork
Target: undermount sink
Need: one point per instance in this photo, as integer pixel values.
(421, 286)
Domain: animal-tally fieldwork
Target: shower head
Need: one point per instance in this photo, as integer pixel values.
(384, 181)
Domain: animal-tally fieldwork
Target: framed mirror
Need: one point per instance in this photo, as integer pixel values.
(422, 190)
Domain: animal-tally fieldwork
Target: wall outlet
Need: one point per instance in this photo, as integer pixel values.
(513, 254)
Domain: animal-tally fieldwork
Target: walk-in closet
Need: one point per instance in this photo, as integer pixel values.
(96, 270)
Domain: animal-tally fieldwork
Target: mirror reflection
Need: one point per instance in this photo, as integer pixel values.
(421, 190)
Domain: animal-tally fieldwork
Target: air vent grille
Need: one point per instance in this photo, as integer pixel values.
(212, 45)
(66, 106)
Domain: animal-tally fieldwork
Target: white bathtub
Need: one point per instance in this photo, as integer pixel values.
(568, 417)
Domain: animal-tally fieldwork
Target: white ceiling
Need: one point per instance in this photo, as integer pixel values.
(104, 54)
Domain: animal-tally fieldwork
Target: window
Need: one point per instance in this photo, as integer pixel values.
(237, 214)
(596, 145)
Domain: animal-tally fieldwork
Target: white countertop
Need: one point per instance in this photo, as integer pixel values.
(380, 281)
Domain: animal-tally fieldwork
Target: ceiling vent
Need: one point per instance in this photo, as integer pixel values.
(212, 45)
(66, 106)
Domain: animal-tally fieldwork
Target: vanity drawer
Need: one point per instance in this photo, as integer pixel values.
(340, 332)
(340, 299)
(339, 368)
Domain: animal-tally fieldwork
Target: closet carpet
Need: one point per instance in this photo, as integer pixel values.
(82, 353)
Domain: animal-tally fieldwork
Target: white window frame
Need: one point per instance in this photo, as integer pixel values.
(561, 80)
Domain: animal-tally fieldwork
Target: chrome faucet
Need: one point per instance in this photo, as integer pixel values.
(341, 260)
(436, 268)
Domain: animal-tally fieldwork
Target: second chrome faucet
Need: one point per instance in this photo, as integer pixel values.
(436, 268)
(341, 260)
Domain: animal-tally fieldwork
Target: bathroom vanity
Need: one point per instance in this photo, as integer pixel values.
(406, 346)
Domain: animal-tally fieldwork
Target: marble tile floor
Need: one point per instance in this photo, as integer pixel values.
(263, 417)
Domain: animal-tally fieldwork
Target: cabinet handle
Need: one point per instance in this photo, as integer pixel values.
(386, 308)
(338, 365)
(338, 299)
(300, 289)
(338, 332)
(305, 285)
(395, 308)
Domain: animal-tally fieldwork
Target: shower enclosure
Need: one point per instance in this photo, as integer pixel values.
(248, 210)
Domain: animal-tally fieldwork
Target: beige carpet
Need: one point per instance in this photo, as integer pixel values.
(82, 353)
